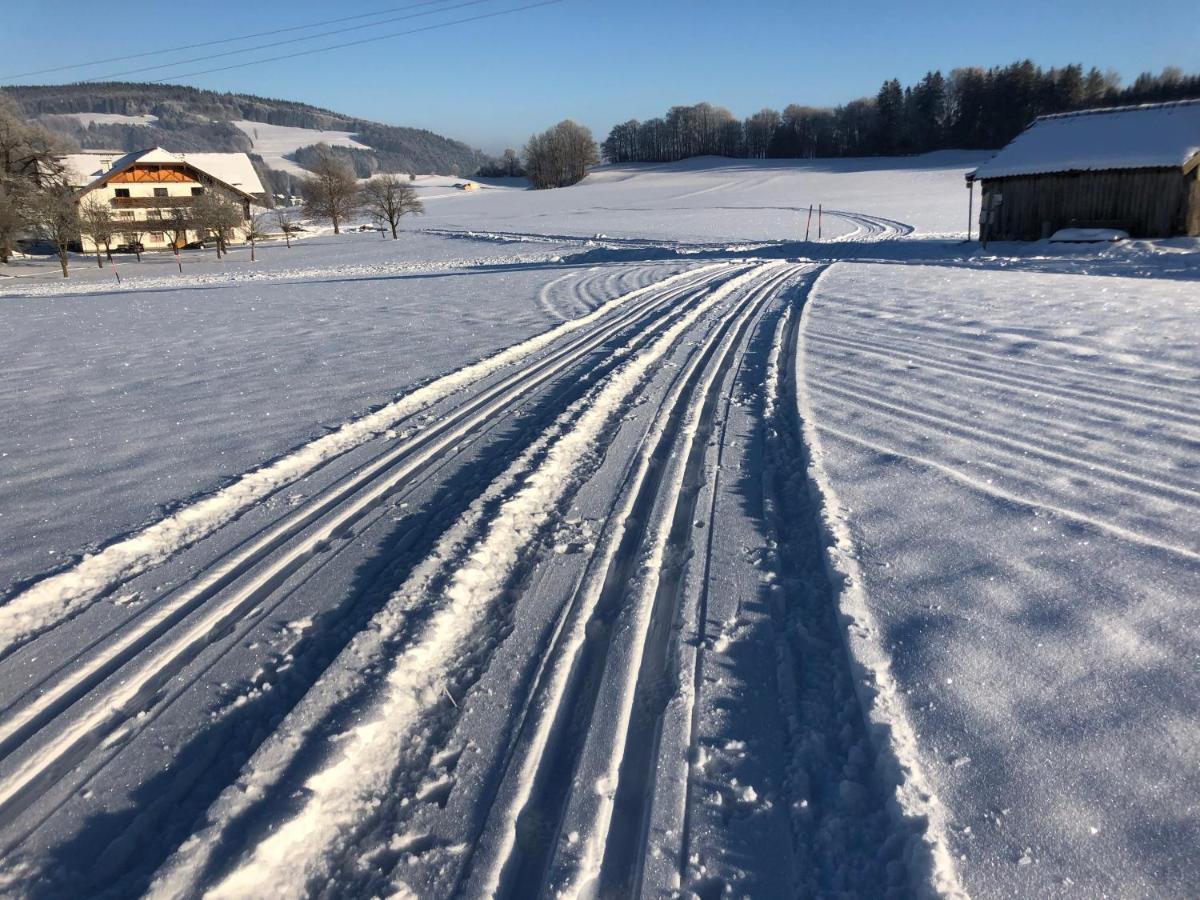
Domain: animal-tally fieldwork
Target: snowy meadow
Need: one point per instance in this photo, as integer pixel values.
(606, 539)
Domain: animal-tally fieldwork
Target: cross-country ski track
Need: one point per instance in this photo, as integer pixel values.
(557, 624)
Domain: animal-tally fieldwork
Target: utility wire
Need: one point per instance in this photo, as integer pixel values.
(229, 40)
(382, 37)
(296, 40)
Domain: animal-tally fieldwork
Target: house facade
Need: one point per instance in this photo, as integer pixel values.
(150, 192)
(1134, 168)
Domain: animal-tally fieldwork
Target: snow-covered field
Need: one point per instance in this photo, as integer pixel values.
(94, 118)
(276, 143)
(607, 541)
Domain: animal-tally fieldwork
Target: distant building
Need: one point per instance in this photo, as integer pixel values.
(1136, 168)
(144, 188)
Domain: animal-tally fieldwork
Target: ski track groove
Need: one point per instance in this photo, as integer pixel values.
(347, 502)
(303, 848)
(63, 594)
(493, 870)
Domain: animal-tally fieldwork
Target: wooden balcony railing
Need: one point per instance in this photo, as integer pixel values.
(152, 202)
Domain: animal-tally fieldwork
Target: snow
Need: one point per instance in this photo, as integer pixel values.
(613, 537)
(1013, 461)
(276, 143)
(1088, 235)
(94, 118)
(1135, 137)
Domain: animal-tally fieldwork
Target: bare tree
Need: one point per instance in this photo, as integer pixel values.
(389, 199)
(257, 232)
(331, 192)
(217, 216)
(56, 218)
(13, 217)
(133, 232)
(560, 156)
(285, 224)
(96, 221)
(29, 161)
(177, 226)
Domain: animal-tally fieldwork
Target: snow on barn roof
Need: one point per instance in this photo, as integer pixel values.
(1159, 135)
(234, 169)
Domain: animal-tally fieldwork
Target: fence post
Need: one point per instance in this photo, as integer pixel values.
(809, 225)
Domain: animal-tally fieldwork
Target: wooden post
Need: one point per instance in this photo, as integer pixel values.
(820, 216)
(178, 261)
(970, 206)
(809, 225)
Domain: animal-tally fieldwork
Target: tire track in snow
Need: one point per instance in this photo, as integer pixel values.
(345, 504)
(340, 796)
(538, 787)
(625, 848)
(61, 595)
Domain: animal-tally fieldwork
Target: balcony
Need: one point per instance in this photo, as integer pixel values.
(152, 202)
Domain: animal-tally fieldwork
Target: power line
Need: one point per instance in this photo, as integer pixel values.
(382, 37)
(229, 40)
(296, 40)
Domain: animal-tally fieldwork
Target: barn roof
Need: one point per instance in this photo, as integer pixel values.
(233, 169)
(1159, 135)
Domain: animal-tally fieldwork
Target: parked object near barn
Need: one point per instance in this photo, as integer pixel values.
(1133, 168)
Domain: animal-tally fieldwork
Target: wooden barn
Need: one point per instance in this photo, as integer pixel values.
(1133, 168)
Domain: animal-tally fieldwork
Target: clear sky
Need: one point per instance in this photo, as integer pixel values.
(493, 81)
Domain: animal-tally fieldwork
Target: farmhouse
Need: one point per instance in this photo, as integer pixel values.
(147, 187)
(1136, 168)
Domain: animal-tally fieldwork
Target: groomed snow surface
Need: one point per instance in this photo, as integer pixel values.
(605, 542)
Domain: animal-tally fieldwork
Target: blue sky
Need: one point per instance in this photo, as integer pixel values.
(492, 82)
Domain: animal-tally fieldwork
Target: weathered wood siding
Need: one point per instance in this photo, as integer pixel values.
(1147, 203)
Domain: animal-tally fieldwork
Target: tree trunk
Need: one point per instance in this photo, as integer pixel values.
(394, 237)
(62, 260)
(99, 261)
(336, 229)
(287, 236)
(252, 259)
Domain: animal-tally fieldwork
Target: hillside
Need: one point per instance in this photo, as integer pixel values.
(130, 116)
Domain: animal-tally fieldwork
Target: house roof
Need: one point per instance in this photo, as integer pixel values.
(1159, 135)
(84, 170)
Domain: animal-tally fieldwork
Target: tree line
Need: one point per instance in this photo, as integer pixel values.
(972, 108)
(200, 120)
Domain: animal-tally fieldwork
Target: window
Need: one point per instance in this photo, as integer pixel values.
(196, 192)
(106, 164)
(160, 192)
(122, 192)
(157, 236)
(125, 214)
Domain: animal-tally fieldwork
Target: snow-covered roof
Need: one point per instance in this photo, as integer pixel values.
(1159, 135)
(234, 169)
